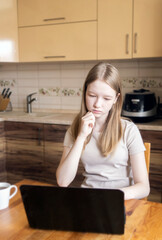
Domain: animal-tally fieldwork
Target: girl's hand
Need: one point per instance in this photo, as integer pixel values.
(87, 124)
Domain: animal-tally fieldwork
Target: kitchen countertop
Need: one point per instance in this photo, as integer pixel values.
(60, 117)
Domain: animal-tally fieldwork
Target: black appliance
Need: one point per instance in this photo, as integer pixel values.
(140, 105)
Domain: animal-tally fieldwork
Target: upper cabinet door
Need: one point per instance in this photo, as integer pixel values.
(60, 42)
(114, 29)
(8, 31)
(147, 39)
(40, 12)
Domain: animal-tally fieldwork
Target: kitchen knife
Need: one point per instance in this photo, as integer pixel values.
(3, 91)
(9, 95)
(6, 93)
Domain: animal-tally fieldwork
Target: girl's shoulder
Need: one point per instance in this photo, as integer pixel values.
(128, 125)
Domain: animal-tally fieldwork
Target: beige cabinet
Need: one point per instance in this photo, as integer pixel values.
(147, 39)
(114, 29)
(129, 29)
(8, 31)
(60, 42)
(40, 12)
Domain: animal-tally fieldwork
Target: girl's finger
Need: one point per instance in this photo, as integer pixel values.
(90, 125)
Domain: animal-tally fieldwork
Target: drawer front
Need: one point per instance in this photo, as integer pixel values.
(154, 137)
(62, 42)
(42, 12)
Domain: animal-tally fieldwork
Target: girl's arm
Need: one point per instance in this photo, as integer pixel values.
(68, 166)
(141, 187)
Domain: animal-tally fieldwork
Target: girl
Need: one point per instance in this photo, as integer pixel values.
(110, 148)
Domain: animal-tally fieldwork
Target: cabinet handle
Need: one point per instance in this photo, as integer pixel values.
(135, 43)
(53, 19)
(127, 44)
(39, 136)
(54, 56)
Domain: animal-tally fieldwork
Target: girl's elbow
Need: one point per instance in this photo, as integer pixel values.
(61, 182)
(146, 190)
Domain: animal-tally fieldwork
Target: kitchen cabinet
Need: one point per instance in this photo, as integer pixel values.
(42, 12)
(74, 41)
(147, 28)
(129, 29)
(54, 137)
(114, 29)
(3, 174)
(155, 175)
(61, 30)
(53, 147)
(34, 150)
(24, 151)
(9, 31)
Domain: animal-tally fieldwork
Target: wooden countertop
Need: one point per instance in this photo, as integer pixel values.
(143, 221)
(63, 118)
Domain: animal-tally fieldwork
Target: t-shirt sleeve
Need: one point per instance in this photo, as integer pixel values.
(68, 139)
(133, 139)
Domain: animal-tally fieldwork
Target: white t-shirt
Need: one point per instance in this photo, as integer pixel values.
(113, 171)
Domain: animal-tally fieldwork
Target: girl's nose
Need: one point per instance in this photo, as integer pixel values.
(97, 102)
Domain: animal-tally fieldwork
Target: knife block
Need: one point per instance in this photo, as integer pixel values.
(4, 103)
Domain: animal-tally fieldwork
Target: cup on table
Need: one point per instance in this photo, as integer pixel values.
(5, 194)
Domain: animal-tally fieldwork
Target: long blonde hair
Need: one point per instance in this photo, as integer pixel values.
(112, 129)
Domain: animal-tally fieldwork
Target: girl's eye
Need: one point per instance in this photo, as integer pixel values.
(107, 99)
(92, 95)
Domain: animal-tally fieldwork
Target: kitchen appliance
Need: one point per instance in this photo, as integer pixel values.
(140, 105)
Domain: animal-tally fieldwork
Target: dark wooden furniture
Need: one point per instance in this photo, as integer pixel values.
(155, 173)
(3, 174)
(33, 150)
(143, 221)
(24, 151)
(53, 147)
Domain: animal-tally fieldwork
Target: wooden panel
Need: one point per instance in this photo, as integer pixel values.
(34, 12)
(24, 151)
(147, 27)
(154, 137)
(62, 42)
(53, 136)
(24, 130)
(3, 174)
(115, 29)
(155, 175)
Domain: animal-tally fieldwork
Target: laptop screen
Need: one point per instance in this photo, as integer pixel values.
(74, 209)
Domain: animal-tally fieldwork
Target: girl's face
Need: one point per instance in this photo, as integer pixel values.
(100, 98)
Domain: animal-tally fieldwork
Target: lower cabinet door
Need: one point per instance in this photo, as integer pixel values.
(155, 173)
(24, 151)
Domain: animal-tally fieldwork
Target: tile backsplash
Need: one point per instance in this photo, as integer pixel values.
(59, 85)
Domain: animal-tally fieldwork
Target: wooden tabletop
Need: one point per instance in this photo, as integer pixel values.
(143, 222)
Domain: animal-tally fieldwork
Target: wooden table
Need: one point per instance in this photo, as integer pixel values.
(143, 222)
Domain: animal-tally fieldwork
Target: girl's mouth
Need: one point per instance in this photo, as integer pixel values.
(96, 111)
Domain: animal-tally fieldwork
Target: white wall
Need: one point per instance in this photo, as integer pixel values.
(59, 85)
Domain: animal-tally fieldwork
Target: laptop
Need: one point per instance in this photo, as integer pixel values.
(74, 209)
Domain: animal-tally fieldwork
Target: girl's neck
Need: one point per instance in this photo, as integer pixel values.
(99, 125)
